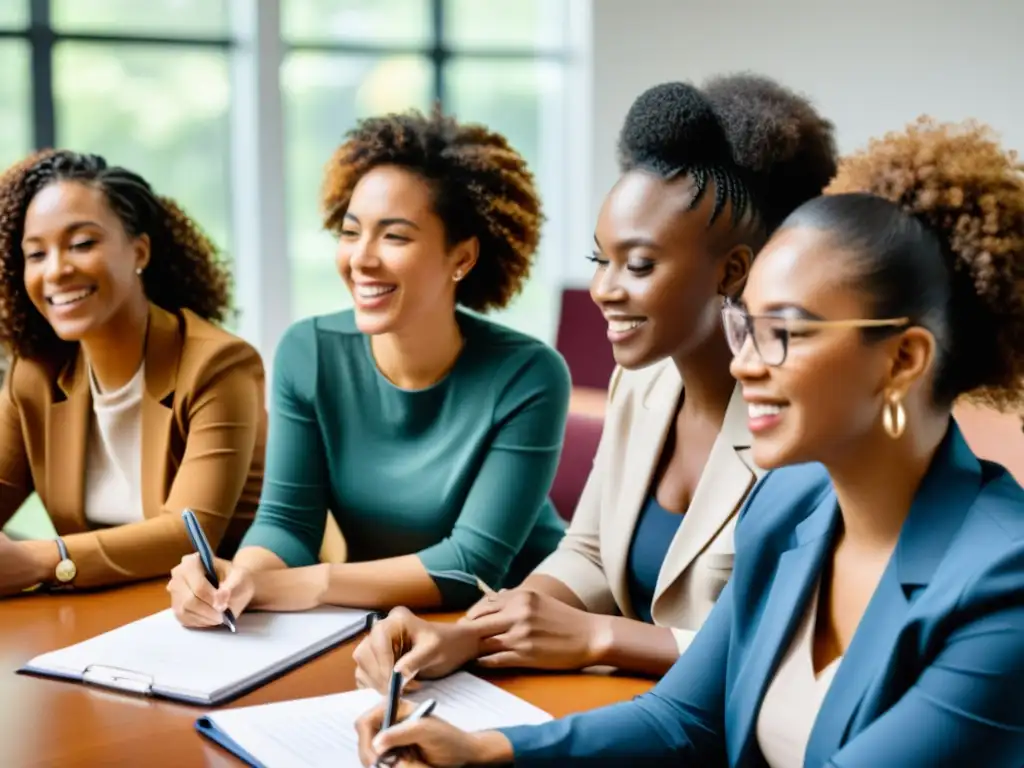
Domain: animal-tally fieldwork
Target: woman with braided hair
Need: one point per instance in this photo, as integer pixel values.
(707, 175)
(875, 616)
(125, 402)
(430, 434)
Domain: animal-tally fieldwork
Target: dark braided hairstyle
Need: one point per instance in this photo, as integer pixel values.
(185, 270)
(763, 149)
(482, 188)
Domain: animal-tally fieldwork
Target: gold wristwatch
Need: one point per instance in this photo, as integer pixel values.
(66, 570)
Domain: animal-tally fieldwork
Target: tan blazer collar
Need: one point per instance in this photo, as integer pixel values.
(734, 426)
(727, 478)
(163, 353)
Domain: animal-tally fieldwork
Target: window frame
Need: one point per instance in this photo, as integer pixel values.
(256, 50)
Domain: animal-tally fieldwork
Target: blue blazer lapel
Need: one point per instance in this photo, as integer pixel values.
(863, 686)
(870, 650)
(791, 588)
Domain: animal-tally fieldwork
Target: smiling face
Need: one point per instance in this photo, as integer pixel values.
(826, 397)
(393, 255)
(80, 263)
(661, 269)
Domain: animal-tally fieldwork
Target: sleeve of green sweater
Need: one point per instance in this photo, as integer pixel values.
(293, 505)
(509, 491)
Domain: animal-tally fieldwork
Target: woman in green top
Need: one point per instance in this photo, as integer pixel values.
(430, 434)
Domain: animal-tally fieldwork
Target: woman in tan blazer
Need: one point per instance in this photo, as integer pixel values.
(124, 403)
(650, 546)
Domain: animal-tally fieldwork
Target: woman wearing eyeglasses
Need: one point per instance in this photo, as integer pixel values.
(707, 174)
(876, 614)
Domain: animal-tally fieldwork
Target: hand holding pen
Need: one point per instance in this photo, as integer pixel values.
(416, 739)
(390, 718)
(202, 548)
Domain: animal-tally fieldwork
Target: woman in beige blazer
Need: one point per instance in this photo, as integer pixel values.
(124, 402)
(707, 175)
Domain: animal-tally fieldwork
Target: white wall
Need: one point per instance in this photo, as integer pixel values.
(870, 66)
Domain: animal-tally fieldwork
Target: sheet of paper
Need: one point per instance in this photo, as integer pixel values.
(321, 731)
(203, 661)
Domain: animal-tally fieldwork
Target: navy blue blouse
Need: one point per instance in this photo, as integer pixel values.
(651, 539)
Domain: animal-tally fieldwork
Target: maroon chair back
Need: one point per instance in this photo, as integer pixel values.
(582, 434)
(583, 340)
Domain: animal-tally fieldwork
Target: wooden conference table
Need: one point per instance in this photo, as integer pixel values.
(50, 723)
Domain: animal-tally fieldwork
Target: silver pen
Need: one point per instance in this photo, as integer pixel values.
(423, 710)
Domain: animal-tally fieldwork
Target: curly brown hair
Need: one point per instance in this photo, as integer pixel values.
(947, 250)
(482, 188)
(185, 271)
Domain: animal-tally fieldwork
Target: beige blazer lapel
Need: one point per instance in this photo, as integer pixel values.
(68, 431)
(723, 485)
(646, 439)
(163, 354)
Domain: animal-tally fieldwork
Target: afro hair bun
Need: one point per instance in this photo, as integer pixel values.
(777, 138)
(672, 127)
(765, 123)
(766, 144)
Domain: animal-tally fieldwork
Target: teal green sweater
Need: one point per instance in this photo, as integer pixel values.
(457, 473)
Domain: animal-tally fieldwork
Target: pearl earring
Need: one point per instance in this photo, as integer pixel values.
(138, 270)
(457, 276)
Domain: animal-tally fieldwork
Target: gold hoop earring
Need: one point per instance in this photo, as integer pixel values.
(894, 417)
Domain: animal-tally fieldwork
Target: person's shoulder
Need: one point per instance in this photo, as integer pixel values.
(512, 355)
(304, 338)
(995, 520)
(207, 350)
(983, 568)
(342, 323)
(28, 378)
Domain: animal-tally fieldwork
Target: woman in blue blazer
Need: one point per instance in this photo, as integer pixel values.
(875, 616)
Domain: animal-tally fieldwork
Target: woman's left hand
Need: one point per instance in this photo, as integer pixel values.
(542, 632)
(19, 569)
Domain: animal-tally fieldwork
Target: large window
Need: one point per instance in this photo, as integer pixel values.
(498, 61)
(154, 86)
(15, 115)
(145, 84)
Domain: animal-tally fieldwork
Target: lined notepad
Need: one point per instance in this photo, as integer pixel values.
(157, 656)
(320, 731)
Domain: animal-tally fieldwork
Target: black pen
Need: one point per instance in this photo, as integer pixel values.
(423, 710)
(394, 698)
(202, 546)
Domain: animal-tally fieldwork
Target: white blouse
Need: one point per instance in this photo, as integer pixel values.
(113, 474)
(793, 698)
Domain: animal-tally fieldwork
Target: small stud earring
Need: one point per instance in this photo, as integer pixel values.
(457, 276)
(138, 270)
